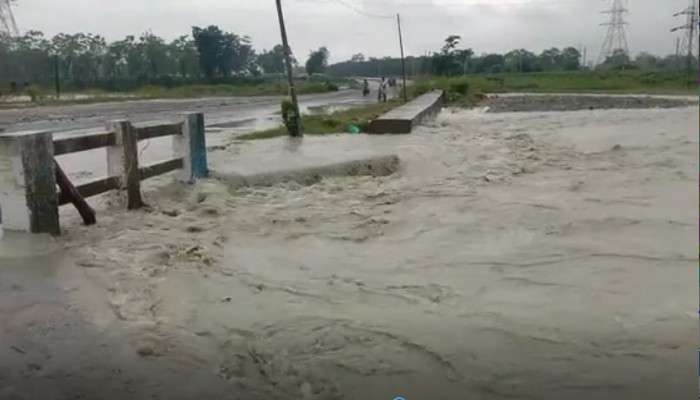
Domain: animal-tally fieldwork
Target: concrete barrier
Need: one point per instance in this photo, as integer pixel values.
(403, 119)
(309, 175)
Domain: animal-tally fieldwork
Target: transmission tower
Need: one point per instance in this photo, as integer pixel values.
(8, 25)
(616, 37)
(687, 43)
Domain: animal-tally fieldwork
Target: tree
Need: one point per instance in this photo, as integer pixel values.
(358, 58)
(223, 53)
(209, 43)
(646, 61)
(521, 61)
(618, 60)
(184, 53)
(450, 60)
(155, 55)
(318, 61)
(550, 59)
(570, 59)
(451, 44)
(272, 62)
(491, 64)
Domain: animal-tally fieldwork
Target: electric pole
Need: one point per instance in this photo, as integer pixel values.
(616, 37)
(403, 60)
(295, 128)
(687, 45)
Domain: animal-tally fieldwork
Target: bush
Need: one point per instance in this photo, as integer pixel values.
(35, 94)
(331, 87)
(288, 115)
(460, 87)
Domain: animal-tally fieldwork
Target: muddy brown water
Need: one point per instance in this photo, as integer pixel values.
(514, 255)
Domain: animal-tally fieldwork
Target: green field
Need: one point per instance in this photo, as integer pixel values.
(469, 89)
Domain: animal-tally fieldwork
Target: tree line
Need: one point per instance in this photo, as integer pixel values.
(450, 60)
(83, 60)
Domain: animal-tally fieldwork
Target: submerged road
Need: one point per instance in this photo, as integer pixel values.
(225, 118)
(237, 114)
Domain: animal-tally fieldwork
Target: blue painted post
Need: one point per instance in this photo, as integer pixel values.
(192, 145)
(28, 196)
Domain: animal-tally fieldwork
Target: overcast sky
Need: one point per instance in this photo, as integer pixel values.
(485, 25)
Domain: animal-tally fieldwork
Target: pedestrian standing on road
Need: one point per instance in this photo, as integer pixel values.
(382, 90)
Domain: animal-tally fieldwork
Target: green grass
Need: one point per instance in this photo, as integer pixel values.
(468, 90)
(337, 122)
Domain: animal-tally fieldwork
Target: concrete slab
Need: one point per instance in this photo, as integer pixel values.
(305, 160)
(403, 119)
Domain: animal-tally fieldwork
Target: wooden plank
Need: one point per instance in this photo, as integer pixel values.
(161, 168)
(83, 143)
(40, 175)
(123, 161)
(28, 183)
(93, 188)
(154, 131)
(69, 192)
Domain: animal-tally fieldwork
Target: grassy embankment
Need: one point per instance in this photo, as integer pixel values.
(337, 122)
(468, 91)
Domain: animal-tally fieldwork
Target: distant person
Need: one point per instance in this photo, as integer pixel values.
(382, 90)
(365, 88)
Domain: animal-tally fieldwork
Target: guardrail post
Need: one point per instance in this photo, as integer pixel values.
(192, 146)
(123, 161)
(28, 198)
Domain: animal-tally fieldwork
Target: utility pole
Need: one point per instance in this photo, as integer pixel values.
(616, 37)
(691, 25)
(295, 129)
(403, 60)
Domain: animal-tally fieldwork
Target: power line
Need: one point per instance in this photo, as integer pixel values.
(358, 10)
(7, 19)
(616, 37)
(690, 26)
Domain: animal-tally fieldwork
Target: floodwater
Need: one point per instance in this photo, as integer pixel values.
(225, 118)
(515, 255)
(250, 113)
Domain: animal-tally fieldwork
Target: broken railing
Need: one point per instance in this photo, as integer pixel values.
(33, 185)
